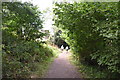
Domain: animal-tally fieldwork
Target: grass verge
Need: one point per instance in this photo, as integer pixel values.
(43, 66)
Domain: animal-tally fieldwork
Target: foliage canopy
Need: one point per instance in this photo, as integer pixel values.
(92, 31)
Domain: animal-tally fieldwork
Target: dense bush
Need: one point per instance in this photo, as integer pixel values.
(19, 59)
(92, 31)
(21, 25)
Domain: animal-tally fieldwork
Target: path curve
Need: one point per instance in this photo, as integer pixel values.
(62, 68)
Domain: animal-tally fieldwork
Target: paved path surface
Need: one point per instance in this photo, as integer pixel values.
(61, 68)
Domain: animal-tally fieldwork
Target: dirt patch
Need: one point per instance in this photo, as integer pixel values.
(62, 68)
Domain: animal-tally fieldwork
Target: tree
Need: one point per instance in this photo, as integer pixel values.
(23, 18)
(21, 25)
(91, 30)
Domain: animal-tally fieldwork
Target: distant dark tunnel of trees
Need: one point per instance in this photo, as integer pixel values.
(60, 42)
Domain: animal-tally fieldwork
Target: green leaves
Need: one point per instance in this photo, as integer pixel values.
(22, 15)
(21, 25)
(91, 29)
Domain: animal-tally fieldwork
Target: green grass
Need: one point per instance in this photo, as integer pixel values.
(55, 50)
(42, 67)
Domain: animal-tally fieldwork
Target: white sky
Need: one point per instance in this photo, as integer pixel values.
(43, 5)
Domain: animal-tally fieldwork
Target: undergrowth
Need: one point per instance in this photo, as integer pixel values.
(21, 59)
(41, 68)
(91, 72)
